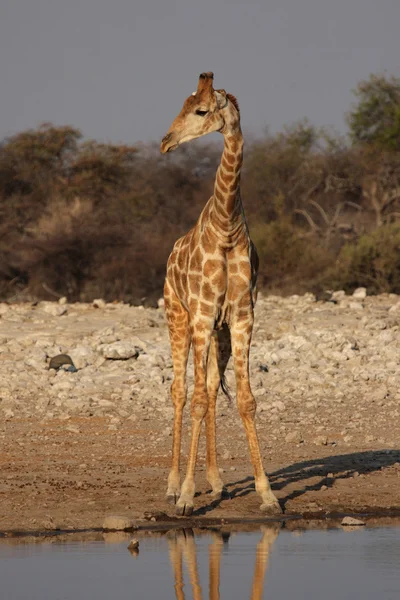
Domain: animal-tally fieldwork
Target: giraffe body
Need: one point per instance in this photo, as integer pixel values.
(210, 292)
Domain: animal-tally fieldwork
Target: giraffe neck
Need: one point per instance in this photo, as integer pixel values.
(227, 210)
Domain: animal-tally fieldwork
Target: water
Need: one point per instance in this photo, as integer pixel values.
(331, 564)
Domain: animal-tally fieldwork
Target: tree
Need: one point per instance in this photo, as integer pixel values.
(376, 117)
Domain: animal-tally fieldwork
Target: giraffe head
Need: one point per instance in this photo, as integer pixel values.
(205, 111)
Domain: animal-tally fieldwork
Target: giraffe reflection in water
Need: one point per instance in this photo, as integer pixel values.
(182, 548)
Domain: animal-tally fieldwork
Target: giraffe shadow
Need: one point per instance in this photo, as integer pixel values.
(327, 469)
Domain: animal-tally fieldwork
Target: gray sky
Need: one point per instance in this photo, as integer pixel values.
(120, 69)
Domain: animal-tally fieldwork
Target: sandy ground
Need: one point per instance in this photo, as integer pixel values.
(75, 447)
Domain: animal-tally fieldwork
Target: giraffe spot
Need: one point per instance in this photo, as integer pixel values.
(232, 268)
(221, 187)
(175, 305)
(207, 291)
(194, 284)
(196, 260)
(211, 266)
(239, 363)
(209, 242)
(242, 313)
(226, 165)
(219, 281)
(193, 305)
(181, 260)
(179, 292)
(193, 239)
(249, 328)
(230, 158)
(233, 145)
(239, 338)
(206, 212)
(236, 287)
(183, 281)
(244, 302)
(244, 268)
(206, 309)
(201, 327)
(222, 213)
(227, 178)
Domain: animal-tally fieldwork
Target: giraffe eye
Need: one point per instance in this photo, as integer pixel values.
(201, 113)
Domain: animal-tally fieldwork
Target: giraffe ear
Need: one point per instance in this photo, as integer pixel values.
(221, 98)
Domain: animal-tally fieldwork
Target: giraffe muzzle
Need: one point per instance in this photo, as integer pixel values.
(168, 144)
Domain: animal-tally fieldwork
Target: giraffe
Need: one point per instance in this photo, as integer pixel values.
(209, 295)
(182, 545)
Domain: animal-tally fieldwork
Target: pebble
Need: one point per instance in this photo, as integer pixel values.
(294, 437)
(321, 440)
(54, 309)
(120, 350)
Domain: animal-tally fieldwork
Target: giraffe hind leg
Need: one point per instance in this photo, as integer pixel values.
(241, 330)
(218, 357)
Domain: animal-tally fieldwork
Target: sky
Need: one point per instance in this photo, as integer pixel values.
(119, 70)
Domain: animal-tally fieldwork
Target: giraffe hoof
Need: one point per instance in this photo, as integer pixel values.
(172, 498)
(184, 510)
(271, 509)
(221, 495)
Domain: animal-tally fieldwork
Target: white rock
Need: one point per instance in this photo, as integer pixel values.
(360, 293)
(120, 350)
(395, 307)
(106, 403)
(99, 303)
(338, 295)
(352, 522)
(4, 308)
(356, 306)
(53, 309)
(259, 392)
(278, 405)
(82, 356)
(37, 360)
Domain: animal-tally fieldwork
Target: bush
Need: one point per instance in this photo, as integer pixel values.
(291, 260)
(85, 220)
(373, 262)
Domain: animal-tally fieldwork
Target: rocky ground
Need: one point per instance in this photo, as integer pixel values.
(76, 446)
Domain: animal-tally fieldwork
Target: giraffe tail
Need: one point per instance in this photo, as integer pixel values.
(225, 388)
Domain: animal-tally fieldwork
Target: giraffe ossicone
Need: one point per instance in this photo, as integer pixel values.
(210, 293)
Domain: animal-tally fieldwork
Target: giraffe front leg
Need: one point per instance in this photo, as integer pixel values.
(178, 325)
(178, 392)
(241, 336)
(201, 334)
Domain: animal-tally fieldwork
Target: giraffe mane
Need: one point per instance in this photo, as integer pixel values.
(234, 101)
